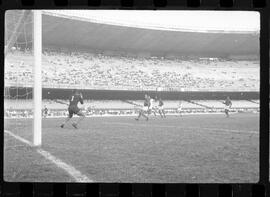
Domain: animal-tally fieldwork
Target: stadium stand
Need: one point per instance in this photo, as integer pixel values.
(108, 104)
(211, 103)
(51, 104)
(185, 104)
(94, 71)
(235, 104)
(255, 101)
(18, 104)
(244, 104)
(24, 107)
(117, 104)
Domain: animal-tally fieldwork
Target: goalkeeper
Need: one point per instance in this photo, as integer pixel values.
(73, 108)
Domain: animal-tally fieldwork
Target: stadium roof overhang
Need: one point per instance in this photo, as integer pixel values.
(68, 32)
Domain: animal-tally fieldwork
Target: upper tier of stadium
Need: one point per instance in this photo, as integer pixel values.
(70, 29)
(97, 71)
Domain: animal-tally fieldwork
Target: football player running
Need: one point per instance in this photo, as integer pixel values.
(145, 109)
(73, 108)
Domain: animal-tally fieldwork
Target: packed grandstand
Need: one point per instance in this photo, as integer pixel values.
(95, 71)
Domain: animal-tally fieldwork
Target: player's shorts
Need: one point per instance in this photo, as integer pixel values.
(179, 109)
(145, 108)
(160, 107)
(73, 110)
(227, 108)
(155, 108)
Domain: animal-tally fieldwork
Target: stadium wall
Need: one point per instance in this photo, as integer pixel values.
(49, 93)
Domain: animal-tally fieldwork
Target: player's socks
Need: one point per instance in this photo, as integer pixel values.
(145, 116)
(80, 119)
(74, 125)
(140, 114)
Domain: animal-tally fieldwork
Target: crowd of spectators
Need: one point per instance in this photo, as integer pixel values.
(98, 71)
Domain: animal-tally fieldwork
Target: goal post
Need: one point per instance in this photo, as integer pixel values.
(23, 57)
(37, 73)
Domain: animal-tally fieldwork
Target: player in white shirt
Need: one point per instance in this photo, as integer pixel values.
(155, 104)
(179, 109)
(151, 106)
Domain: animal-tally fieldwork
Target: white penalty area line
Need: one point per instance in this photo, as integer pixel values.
(73, 172)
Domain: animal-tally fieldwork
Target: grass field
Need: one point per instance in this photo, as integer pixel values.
(193, 148)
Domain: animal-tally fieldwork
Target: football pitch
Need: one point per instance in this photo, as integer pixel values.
(193, 148)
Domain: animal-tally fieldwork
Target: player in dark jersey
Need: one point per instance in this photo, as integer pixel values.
(161, 108)
(228, 104)
(144, 110)
(75, 98)
(45, 112)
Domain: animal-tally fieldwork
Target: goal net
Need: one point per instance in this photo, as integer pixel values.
(22, 90)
